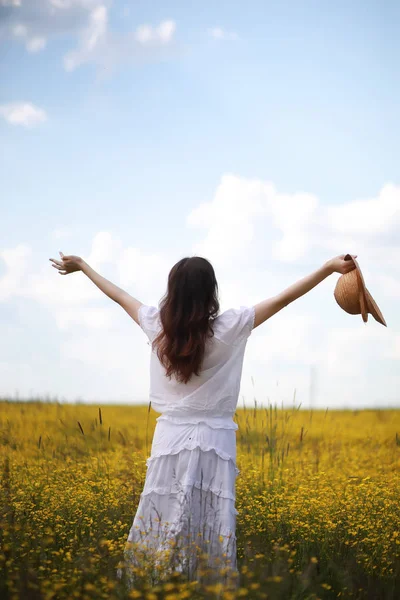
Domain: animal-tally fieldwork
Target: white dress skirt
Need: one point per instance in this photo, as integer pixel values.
(186, 517)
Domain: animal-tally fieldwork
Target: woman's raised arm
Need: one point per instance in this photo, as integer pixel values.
(71, 264)
(269, 307)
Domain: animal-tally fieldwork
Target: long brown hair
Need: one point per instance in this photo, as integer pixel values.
(187, 311)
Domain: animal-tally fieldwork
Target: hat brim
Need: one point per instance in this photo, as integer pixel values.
(367, 303)
(373, 308)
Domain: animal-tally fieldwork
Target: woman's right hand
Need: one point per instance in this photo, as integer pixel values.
(339, 265)
(68, 264)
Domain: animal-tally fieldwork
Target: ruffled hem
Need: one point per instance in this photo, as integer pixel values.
(192, 446)
(164, 490)
(177, 472)
(156, 521)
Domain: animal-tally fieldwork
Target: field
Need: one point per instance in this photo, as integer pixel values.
(318, 500)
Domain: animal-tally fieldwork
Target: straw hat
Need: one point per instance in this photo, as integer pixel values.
(352, 295)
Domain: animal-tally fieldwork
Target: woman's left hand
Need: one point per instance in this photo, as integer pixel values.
(68, 264)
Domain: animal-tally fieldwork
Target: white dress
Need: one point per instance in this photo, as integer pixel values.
(188, 499)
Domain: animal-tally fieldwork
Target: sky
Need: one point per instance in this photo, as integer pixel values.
(261, 135)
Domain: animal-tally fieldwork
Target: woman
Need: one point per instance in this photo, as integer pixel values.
(186, 516)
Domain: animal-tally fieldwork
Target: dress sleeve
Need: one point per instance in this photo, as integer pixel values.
(149, 320)
(237, 324)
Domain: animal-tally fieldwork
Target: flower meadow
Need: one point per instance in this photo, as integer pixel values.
(318, 500)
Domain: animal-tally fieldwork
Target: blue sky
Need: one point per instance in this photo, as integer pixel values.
(262, 135)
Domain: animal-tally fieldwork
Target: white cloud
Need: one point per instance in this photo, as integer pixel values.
(35, 23)
(163, 33)
(287, 337)
(347, 349)
(100, 46)
(105, 249)
(90, 317)
(23, 113)
(46, 286)
(296, 224)
(16, 263)
(97, 27)
(144, 271)
(32, 43)
(292, 214)
(367, 216)
(144, 34)
(228, 218)
(91, 38)
(36, 44)
(217, 33)
(19, 30)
